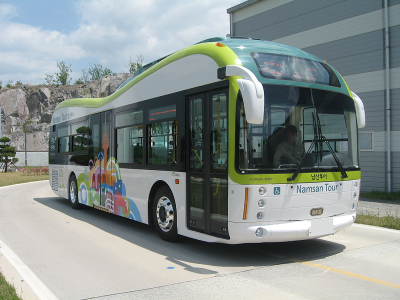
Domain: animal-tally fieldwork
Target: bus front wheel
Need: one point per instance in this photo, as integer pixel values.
(165, 214)
(73, 193)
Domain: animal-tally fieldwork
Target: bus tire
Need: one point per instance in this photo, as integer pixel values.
(165, 215)
(73, 193)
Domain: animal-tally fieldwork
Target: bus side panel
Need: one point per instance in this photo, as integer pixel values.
(140, 182)
(186, 73)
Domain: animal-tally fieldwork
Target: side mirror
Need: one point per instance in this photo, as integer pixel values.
(360, 110)
(252, 91)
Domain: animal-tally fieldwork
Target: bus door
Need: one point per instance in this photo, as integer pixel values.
(207, 153)
(99, 172)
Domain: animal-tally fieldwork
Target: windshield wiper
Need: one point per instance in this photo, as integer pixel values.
(323, 139)
(341, 169)
(317, 141)
(297, 171)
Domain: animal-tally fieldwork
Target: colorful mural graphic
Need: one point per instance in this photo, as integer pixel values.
(101, 185)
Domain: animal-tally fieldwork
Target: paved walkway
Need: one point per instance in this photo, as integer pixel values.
(379, 208)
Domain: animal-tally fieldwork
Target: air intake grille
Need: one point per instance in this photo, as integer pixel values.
(54, 180)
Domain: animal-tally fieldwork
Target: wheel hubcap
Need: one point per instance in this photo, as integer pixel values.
(165, 214)
(72, 191)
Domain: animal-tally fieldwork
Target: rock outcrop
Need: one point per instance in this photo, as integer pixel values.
(31, 107)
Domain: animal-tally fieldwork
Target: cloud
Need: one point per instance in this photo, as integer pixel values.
(109, 32)
(116, 30)
(27, 53)
(7, 12)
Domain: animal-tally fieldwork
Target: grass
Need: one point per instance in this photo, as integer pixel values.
(7, 291)
(387, 221)
(392, 222)
(10, 178)
(378, 195)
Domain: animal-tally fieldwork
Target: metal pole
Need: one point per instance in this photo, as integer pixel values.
(26, 159)
(388, 114)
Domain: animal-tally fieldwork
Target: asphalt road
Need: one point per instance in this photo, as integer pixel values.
(88, 254)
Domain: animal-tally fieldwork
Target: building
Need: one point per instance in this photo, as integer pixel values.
(361, 39)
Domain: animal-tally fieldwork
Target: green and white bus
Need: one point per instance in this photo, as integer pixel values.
(189, 144)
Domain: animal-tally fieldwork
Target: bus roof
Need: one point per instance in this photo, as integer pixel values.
(236, 52)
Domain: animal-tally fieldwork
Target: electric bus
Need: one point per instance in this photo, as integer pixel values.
(193, 144)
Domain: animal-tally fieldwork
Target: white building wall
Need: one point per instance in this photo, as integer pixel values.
(34, 159)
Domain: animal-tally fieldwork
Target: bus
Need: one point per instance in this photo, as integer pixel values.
(193, 144)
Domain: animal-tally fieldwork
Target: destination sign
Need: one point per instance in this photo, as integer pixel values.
(162, 113)
(285, 67)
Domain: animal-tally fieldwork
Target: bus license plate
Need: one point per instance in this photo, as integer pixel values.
(316, 212)
(321, 227)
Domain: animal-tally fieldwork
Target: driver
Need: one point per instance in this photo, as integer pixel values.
(289, 151)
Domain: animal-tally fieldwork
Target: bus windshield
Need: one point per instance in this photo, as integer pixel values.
(314, 129)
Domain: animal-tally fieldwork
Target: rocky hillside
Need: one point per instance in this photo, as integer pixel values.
(33, 107)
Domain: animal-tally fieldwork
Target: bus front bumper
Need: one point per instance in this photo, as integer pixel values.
(288, 231)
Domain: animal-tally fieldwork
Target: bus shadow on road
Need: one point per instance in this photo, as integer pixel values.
(190, 251)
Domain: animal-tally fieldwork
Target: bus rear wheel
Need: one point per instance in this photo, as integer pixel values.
(73, 193)
(165, 215)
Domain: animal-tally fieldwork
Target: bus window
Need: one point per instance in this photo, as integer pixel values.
(80, 139)
(163, 148)
(219, 132)
(63, 139)
(129, 118)
(130, 137)
(130, 144)
(63, 144)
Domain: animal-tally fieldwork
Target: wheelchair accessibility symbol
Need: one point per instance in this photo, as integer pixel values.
(277, 190)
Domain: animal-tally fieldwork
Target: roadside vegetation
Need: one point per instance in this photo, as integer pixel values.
(387, 221)
(7, 291)
(24, 175)
(378, 195)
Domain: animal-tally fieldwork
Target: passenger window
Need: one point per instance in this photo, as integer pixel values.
(163, 139)
(130, 144)
(63, 144)
(63, 139)
(80, 143)
(80, 138)
(130, 137)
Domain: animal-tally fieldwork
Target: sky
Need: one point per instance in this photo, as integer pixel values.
(36, 34)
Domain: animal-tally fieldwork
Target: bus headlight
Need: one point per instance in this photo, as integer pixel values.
(259, 232)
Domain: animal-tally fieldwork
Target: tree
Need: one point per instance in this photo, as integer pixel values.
(7, 153)
(84, 78)
(49, 79)
(63, 77)
(134, 66)
(97, 71)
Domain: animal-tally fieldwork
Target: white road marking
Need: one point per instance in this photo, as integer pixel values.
(34, 282)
